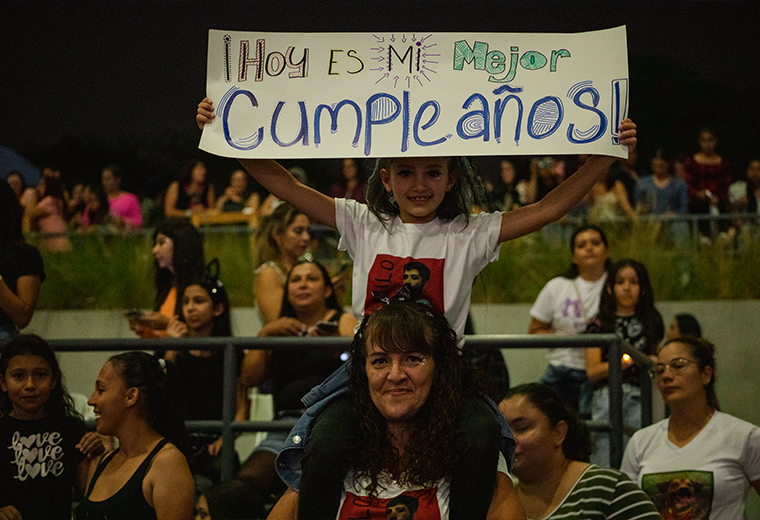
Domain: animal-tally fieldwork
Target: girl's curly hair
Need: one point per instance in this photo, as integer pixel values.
(467, 192)
(430, 454)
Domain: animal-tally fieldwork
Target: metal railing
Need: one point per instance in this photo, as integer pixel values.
(228, 427)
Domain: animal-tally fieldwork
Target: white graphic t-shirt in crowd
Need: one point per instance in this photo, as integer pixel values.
(708, 478)
(38, 465)
(567, 304)
(436, 262)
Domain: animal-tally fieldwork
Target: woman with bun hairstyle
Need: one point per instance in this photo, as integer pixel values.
(147, 477)
(699, 462)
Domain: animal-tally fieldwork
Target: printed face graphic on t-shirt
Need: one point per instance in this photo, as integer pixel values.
(411, 504)
(680, 495)
(414, 279)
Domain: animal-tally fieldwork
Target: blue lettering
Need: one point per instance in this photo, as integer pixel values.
(334, 121)
(247, 143)
(475, 123)
(499, 107)
(381, 109)
(545, 117)
(436, 113)
(596, 131)
(303, 134)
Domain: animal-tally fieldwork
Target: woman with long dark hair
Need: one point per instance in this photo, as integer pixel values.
(626, 309)
(408, 390)
(309, 308)
(21, 268)
(178, 254)
(49, 213)
(191, 192)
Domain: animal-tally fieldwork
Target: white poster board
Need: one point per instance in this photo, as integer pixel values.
(338, 95)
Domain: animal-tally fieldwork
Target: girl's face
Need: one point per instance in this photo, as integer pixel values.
(399, 382)
(28, 381)
(306, 287)
(163, 251)
(109, 400)
(589, 250)
(198, 175)
(294, 241)
(201, 509)
(537, 441)
(682, 381)
(418, 185)
(110, 181)
(198, 309)
(626, 290)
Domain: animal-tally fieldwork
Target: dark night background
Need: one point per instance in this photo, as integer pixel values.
(87, 83)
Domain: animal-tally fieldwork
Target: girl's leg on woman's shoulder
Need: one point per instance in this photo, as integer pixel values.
(478, 439)
(326, 460)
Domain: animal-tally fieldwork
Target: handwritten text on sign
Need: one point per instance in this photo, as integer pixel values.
(310, 95)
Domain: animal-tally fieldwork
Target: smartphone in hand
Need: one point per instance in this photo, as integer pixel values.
(134, 313)
(329, 327)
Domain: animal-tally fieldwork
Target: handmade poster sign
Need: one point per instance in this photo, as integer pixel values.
(312, 95)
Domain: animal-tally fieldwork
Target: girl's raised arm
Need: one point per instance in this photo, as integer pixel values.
(564, 197)
(278, 181)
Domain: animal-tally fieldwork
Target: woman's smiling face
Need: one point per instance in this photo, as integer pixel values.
(399, 382)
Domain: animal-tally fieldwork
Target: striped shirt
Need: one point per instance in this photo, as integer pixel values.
(605, 493)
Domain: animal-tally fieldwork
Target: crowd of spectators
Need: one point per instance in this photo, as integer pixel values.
(671, 193)
(297, 298)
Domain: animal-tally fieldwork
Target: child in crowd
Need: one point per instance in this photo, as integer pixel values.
(205, 313)
(418, 208)
(45, 451)
(228, 500)
(627, 309)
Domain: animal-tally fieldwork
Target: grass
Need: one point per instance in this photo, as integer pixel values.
(116, 272)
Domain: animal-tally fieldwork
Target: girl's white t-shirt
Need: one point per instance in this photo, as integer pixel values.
(453, 252)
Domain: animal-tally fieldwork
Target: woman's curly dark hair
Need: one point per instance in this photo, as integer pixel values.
(467, 192)
(430, 454)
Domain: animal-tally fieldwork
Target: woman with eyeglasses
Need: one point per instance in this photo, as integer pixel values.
(699, 462)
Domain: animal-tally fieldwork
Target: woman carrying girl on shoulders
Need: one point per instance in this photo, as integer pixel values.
(417, 212)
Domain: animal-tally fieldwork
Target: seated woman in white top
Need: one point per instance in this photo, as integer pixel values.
(699, 463)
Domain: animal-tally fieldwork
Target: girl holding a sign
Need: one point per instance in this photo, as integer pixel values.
(417, 212)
